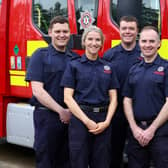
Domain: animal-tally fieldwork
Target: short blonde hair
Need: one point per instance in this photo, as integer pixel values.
(90, 29)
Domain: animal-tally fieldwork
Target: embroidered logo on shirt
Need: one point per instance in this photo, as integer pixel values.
(160, 70)
(107, 69)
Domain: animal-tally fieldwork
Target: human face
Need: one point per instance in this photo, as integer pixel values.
(60, 35)
(149, 43)
(128, 32)
(93, 44)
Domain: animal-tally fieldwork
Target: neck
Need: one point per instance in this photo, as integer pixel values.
(150, 59)
(128, 46)
(60, 48)
(92, 57)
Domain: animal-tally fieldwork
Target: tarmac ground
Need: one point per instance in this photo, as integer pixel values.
(14, 156)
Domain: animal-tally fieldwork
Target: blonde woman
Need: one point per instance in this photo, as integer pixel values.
(90, 94)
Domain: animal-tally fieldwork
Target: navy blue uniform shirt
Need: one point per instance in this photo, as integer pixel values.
(122, 60)
(91, 80)
(147, 85)
(47, 65)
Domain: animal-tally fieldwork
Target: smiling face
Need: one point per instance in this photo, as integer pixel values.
(92, 43)
(149, 43)
(128, 32)
(60, 35)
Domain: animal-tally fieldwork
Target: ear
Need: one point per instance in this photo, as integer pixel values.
(159, 45)
(49, 32)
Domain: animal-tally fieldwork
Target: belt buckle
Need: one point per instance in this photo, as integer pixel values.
(144, 123)
(96, 109)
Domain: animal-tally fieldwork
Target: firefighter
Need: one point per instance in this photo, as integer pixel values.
(122, 57)
(146, 105)
(90, 93)
(51, 115)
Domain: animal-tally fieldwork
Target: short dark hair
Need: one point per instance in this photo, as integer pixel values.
(129, 18)
(58, 19)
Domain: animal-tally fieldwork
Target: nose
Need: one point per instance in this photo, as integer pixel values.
(62, 34)
(147, 44)
(127, 30)
(94, 42)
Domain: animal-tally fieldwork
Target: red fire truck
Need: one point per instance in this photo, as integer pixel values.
(23, 29)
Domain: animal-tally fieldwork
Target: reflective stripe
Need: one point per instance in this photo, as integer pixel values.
(114, 43)
(15, 72)
(162, 51)
(17, 78)
(164, 48)
(34, 45)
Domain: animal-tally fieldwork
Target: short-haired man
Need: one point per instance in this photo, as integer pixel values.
(51, 116)
(146, 105)
(122, 57)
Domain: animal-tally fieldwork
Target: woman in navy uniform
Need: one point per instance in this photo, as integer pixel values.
(90, 93)
(146, 105)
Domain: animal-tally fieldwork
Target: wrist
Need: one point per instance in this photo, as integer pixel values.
(86, 121)
(59, 110)
(107, 122)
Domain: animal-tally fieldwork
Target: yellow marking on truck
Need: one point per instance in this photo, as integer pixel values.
(164, 48)
(17, 78)
(15, 72)
(162, 51)
(34, 45)
(115, 42)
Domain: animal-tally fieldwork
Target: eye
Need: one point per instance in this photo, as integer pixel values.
(123, 28)
(131, 28)
(152, 41)
(65, 31)
(143, 41)
(90, 38)
(56, 31)
(98, 39)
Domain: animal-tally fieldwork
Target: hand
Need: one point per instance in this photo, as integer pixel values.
(65, 116)
(91, 125)
(148, 134)
(138, 134)
(101, 127)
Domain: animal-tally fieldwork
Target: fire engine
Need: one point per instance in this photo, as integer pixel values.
(23, 29)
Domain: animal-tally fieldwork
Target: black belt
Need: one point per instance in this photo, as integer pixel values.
(94, 109)
(144, 123)
(41, 108)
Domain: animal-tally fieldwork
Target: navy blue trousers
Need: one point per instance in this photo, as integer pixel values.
(156, 150)
(118, 138)
(86, 148)
(51, 140)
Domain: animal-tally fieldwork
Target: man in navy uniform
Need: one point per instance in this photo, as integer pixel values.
(51, 116)
(122, 57)
(146, 105)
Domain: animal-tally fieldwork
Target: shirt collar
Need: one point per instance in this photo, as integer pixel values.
(85, 59)
(53, 51)
(136, 48)
(156, 61)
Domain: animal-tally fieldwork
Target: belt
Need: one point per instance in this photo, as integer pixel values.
(144, 123)
(94, 109)
(41, 108)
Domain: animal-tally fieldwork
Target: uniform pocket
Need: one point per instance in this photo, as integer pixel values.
(158, 78)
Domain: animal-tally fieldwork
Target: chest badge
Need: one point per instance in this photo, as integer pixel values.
(160, 69)
(107, 69)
